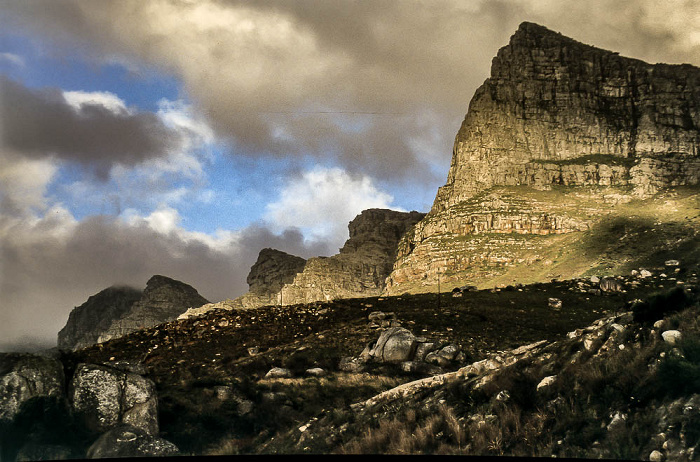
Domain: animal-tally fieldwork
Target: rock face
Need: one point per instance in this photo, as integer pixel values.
(358, 270)
(361, 267)
(268, 275)
(555, 114)
(116, 312)
(104, 397)
(87, 321)
(25, 376)
(130, 442)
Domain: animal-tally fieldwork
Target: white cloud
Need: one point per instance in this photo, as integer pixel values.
(106, 99)
(13, 59)
(321, 202)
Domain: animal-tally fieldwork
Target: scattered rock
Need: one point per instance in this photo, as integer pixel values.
(130, 441)
(555, 303)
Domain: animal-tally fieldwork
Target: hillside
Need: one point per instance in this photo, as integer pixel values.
(565, 150)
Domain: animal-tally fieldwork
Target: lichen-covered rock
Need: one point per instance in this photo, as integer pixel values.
(104, 397)
(25, 376)
(129, 441)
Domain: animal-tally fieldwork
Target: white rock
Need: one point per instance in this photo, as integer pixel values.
(672, 337)
(644, 273)
(659, 324)
(595, 279)
(656, 456)
(672, 263)
(547, 381)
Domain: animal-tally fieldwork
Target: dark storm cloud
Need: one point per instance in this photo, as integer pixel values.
(39, 123)
(44, 274)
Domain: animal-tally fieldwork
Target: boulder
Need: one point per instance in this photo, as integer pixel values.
(395, 344)
(129, 441)
(25, 376)
(611, 285)
(278, 373)
(672, 337)
(104, 397)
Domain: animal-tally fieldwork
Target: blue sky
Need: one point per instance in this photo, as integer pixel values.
(181, 137)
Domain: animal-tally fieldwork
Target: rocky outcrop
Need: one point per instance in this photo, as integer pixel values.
(556, 111)
(88, 321)
(556, 116)
(25, 376)
(118, 311)
(130, 442)
(104, 397)
(358, 270)
(361, 267)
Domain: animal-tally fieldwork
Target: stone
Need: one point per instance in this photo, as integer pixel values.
(104, 397)
(396, 344)
(611, 285)
(672, 263)
(554, 303)
(315, 372)
(131, 442)
(25, 376)
(656, 456)
(278, 373)
(595, 279)
(645, 274)
(350, 364)
(672, 337)
(546, 382)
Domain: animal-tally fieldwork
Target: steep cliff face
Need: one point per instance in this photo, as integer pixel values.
(116, 311)
(87, 321)
(555, 115)
(361, 267)
(556, 111)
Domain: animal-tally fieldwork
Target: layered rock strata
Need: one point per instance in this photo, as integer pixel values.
(555, 115)
(362, 265)
(116, 312)
(358, 270)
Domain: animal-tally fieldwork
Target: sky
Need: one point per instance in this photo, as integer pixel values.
(180, 137)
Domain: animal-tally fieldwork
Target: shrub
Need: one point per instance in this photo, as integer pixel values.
(659, 305)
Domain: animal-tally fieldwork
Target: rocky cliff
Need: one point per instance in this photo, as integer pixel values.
(359, 269)
(117, 311)
(555, 115)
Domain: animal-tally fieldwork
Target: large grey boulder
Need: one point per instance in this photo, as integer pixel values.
(25, 376)
(129, 441)
(395, 344)
(104, 397)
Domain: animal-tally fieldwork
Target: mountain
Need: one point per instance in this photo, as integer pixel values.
(560, 144)
(593, 190)
(359, 269)
(118, 311)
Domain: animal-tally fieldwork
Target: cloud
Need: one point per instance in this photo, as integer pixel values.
(345, 81)
(321, 202)
(52, 262)
(41, 123)
(11, 58)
